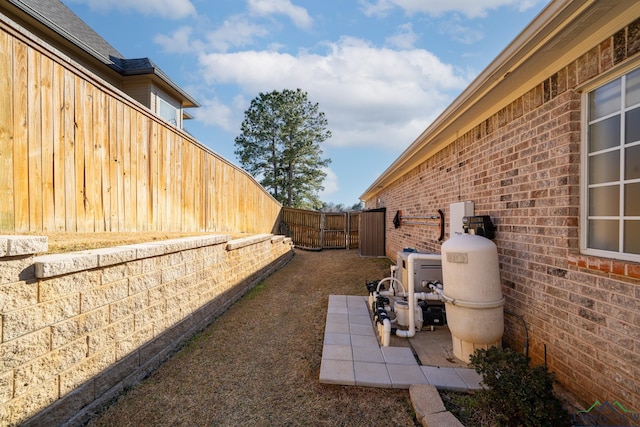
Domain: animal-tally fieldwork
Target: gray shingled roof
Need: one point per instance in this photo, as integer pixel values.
(60, 19)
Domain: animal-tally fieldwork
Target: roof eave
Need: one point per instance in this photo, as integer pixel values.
(111, 59)
(187, 101)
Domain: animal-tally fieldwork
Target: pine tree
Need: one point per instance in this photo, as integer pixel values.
(279, 144)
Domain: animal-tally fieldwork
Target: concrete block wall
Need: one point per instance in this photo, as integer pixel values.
(521, 166)
(77, 328)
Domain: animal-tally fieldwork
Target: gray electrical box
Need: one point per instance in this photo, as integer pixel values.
(457, 211)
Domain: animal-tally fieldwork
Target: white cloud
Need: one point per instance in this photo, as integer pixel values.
(236, 31)
(379, 8)
(171, 9)
(405, 38)
(214, 113)
(469, 8)
(178, 42)
(371, 96)
(330, 183)
(297, 14)
(460, 32)
(233, 33)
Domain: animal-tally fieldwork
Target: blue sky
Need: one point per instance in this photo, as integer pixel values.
(381, 70)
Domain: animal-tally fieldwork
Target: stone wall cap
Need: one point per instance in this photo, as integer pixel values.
(71, 262)
(114, 255)
(22, 245)
(247, 241)
(58, 264)
(277, 238)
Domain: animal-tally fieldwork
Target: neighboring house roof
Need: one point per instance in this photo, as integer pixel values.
(57, 17)
(562, 32)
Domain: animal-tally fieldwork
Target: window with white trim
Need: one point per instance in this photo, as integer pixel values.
(611, 220)
(167, 111)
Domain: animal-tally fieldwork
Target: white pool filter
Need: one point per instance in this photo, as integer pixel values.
(473, 294)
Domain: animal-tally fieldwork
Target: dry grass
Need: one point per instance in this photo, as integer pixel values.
(259, 363)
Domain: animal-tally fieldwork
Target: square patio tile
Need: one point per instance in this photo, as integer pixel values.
(337, 308)
(338, 317)
(361, 329)
(369, 341)
(338, 339)
(336, 352)
(471, 378)
(338, 298)
(402, 376)
(367, 354)
(444, 378)
(358, 311)
(371, 374)
(356, 299)
(337, 372)
(360, 319)
(399, 356)
(336, 327)
(357, 305)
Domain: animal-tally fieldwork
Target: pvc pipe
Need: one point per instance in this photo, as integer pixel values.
(394, 271)
(386, 333)
(390, 279)
(385, 293)
(411, 298)
(430, 296)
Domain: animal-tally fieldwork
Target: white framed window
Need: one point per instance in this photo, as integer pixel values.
(167, 111)
(611, 169)
(167, 108)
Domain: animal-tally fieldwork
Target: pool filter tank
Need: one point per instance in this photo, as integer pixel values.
(473, 293)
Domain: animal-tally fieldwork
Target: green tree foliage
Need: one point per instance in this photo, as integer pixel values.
(332, 207)
(279, 144)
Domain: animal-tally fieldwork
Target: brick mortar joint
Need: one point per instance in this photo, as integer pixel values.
(606, 265)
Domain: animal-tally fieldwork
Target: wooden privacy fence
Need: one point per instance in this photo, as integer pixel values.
(76, 155)
(320, 230)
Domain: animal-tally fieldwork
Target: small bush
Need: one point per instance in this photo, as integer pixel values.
(516, 394)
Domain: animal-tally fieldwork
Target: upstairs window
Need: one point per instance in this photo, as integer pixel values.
(611, 189)
(167, 111)
(167, 108)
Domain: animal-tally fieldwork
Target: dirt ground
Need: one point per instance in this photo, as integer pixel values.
(259, 363)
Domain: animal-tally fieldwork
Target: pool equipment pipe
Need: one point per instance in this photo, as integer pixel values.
(412, 297)
(390, 292)
(411, 294)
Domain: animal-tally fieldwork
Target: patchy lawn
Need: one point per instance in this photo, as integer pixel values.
(258, 364)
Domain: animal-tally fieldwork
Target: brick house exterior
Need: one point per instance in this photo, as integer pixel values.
(514, 143)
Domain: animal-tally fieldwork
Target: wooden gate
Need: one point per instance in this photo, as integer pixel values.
(372, 233)
(321, 230)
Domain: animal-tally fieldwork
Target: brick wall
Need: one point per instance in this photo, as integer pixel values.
(78, 328)
(521, 166)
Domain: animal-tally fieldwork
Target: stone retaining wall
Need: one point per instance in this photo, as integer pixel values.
(77, 328)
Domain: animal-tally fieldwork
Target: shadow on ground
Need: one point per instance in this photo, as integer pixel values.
(258, 364)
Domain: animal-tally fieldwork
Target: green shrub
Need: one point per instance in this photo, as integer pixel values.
(516, 394)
